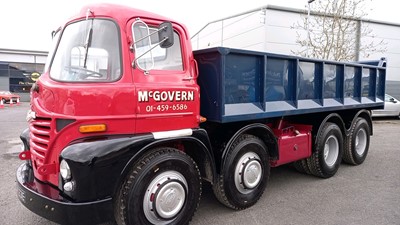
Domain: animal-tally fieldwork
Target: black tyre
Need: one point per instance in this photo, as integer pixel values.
(302, 166)
(245, 174)
(164, 187)
(357, 143)
(328, 151)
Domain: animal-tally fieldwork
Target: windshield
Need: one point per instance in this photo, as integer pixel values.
(89, 51)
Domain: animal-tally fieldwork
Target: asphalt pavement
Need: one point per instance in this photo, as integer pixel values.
(368, 194)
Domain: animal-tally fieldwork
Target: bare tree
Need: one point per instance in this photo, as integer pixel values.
(334, 31)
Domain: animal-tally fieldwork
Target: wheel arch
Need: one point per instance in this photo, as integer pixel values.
(259, 130)
(365, 114)
(332, 118)
(350, 117)
(109, 159)
(193, 146)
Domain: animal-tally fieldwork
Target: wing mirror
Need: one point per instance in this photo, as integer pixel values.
(146, 39)
(166, 35)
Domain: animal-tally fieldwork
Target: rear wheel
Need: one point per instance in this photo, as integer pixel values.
(164, 187)
(244, 176)
(327, 156)
(357, 143)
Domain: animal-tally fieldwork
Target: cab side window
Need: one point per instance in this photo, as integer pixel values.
(164, 58)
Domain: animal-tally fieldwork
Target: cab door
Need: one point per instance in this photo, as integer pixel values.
(164, 78)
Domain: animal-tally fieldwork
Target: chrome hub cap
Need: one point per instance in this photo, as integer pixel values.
(361, 142)
(248, 172)
(165, 197)
(331, 150)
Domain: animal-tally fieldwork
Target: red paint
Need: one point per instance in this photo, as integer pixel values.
(294, 142)
(116, 103)
(25, 155)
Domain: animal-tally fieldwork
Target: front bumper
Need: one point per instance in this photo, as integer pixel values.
(45, 201)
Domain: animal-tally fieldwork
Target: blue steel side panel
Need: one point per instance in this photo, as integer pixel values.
(239, 85)
(212, 73)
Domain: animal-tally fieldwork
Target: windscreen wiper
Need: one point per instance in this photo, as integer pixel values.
(88, 39)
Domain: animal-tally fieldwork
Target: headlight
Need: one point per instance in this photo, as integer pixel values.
(64, 170)
(69, 186)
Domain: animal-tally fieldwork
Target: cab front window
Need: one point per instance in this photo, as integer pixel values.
(89, 51)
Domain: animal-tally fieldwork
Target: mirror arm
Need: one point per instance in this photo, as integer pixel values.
(150, 35)
(132, 48)
(158, 44)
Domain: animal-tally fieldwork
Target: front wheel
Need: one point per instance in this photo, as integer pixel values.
(164, 187)
(245, 173)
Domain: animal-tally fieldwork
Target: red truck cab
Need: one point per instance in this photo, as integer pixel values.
(121, 99)
(98, 84)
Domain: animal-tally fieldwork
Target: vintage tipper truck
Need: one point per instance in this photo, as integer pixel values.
(126, 121)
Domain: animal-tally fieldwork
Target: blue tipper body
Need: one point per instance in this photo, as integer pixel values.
(239, 85)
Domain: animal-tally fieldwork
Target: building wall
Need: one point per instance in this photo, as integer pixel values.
(271, 29)
(19, 69)
(390, 34)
